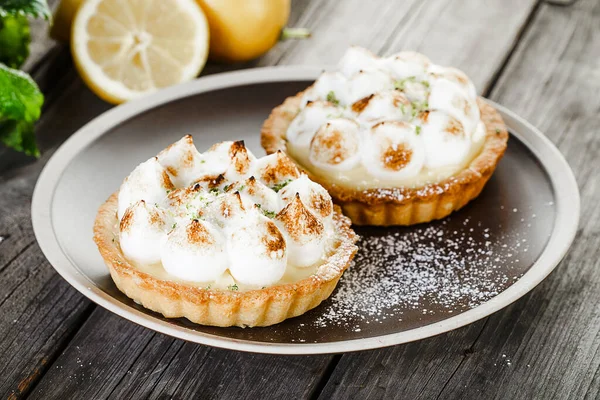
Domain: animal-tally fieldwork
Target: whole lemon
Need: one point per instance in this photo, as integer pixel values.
(241, 30)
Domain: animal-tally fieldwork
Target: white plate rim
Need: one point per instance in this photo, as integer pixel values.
(567, 203)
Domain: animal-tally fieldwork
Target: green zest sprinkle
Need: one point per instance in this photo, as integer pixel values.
(401, 84)
(269, 214)
(277, 187)
(174, 225)
(214, 190)
(226, 187)
(233, 287)
(208, 287)
(202, 161)
(332, 99)
(497, 131)
(418, 130)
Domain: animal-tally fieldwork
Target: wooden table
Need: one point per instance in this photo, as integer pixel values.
(538, 58)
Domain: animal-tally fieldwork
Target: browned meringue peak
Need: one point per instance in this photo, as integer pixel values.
(257, 251)
(141, 231)
(275, 169)
(273, 241)
(181, 197)
(209, 182)
(265, 198)
(394, 156)
(312, 195)
(306, 236)
(181, 160)
(382, 106)
(186, 201)
(149, 181)
(198, 234)
(335, 145)
(299, 223)
(229, 205)
(140, 212)
(241, 159)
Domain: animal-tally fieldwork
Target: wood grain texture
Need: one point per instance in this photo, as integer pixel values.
(551, 336)
(472, 35)
(134, 362)
(546, 345)
(38, 310)
(153, 365)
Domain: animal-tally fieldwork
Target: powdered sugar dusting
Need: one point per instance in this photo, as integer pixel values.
(420, 269)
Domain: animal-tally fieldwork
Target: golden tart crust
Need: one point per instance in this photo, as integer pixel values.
(262, 307)
(400, 205)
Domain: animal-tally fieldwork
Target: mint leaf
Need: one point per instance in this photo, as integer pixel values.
(20, 107)
(14, 40)
(30, 8)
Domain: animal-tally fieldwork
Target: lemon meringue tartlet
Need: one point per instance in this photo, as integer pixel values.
(223, 238)
(395, 140)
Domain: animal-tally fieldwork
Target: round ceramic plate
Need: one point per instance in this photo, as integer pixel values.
(406, 283)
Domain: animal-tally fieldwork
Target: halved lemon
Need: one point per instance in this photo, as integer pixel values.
(124, 49)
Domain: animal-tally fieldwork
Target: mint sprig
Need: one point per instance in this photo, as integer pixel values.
(20, 107)
(28, 8)
(14, 40)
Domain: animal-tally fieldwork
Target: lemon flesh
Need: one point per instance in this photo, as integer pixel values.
(124, 49)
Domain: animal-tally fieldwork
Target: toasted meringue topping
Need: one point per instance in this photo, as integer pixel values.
(391, 105)
(331, 86)
(195, 252)
(275, 169)
(263, 197)
(444, 139)
(220, 219)
(312, 195)
(257, 251)
(367, 82)
(405, 87)
(241, 161)
(310, 119)
(393, 150)
(182, 161)
(304, 232)
(336, 145)
(149, 182)
(142, 229)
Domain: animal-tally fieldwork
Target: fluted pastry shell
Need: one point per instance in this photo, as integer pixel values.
(262, 307)
(400, 205)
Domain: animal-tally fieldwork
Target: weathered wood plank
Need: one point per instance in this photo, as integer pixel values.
(546, 345)
(472, 35)
(134, 362)
(39, 312)
(552, 337)
(151, 365)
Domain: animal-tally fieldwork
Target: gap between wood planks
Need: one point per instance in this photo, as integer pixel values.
(526, 26)
(54, 99)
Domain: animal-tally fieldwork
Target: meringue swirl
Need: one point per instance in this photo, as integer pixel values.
(387, 122)
(224, 219)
